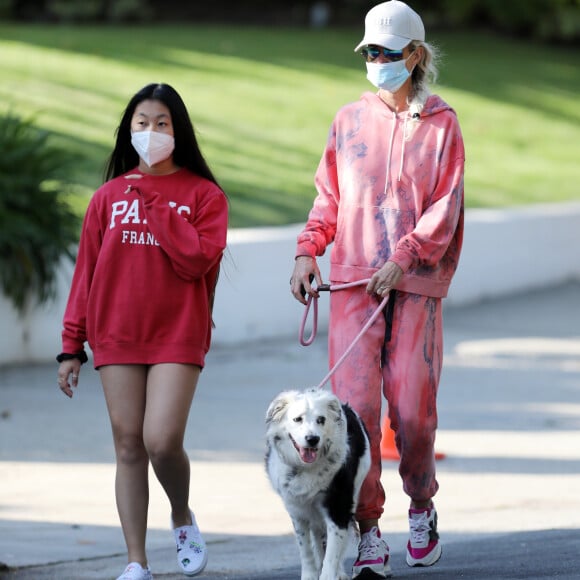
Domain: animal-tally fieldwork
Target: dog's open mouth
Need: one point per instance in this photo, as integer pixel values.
(307, 454)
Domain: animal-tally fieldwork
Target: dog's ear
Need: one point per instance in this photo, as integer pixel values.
(335, 408)
(278, 406)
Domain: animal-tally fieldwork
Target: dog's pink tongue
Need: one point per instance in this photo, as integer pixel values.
(308, 455)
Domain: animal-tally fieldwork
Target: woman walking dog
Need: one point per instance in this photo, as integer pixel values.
(390, 200)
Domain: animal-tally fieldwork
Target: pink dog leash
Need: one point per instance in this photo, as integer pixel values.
(314, 302)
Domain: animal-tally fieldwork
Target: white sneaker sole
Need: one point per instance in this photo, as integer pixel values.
(428, 560)
(367, 573)
(199, 569)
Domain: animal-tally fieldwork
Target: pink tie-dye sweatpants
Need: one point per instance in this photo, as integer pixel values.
(408, 376)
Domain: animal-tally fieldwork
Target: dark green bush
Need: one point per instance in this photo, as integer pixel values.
(540, 19)
(547, 20)
(98, 10)
(37, 226)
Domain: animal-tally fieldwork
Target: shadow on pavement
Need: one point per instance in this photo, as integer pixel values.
(526, 555)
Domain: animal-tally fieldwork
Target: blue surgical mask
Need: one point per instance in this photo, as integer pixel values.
(389, 76)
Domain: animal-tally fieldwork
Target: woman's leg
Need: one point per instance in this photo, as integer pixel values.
(357, 381)
(170, 390)
(125, 391)
(412, 370)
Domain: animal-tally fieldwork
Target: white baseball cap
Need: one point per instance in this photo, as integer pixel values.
(392, 25)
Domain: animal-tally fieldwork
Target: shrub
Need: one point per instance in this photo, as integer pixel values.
(37, 225)
(546, 20)
(98, 10)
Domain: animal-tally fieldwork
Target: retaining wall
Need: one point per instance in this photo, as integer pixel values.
(505, 252)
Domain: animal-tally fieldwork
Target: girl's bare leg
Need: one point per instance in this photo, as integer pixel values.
(125, 393)
(170, 391)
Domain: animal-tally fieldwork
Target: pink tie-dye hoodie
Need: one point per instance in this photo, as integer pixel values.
(390, 187)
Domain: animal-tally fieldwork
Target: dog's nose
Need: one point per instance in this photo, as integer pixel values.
(312, 440)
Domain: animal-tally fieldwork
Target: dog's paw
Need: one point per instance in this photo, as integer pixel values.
(338, 575)
(309, 574)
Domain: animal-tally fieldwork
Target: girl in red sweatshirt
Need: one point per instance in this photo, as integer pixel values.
(141, 296)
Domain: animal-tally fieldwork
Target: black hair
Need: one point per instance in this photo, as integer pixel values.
(186, 153)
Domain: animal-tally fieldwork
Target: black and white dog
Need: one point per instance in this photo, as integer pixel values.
(317, 458)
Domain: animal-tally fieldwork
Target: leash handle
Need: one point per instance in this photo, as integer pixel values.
(314, 303)
(308, 341)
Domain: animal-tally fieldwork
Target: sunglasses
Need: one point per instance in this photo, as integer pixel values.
(371, 53)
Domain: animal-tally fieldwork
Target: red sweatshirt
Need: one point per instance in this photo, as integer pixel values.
(146, 269)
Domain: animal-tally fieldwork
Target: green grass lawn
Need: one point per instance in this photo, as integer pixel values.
(262, 100)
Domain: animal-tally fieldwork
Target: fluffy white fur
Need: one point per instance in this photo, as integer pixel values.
(311, 437)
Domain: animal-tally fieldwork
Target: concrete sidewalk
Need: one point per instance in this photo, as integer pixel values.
(509, 427)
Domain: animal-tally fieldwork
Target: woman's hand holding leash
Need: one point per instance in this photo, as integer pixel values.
(385, 279)
(305, 272)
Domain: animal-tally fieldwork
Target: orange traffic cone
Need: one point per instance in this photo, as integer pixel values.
(388, 446)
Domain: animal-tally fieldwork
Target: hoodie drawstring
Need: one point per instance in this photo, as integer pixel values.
(389, 156)
(415, 108)
(403, 148)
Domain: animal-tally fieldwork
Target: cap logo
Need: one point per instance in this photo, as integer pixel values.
(388, 21)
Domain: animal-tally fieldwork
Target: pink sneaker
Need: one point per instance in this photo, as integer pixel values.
(373, 557)
(423, 547)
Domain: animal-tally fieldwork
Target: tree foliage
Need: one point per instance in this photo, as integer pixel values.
(540, 19)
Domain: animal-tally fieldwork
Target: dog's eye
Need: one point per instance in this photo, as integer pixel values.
(297, 419)
(321, 420)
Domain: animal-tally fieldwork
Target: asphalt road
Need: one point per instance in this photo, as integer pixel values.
(508, 502)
